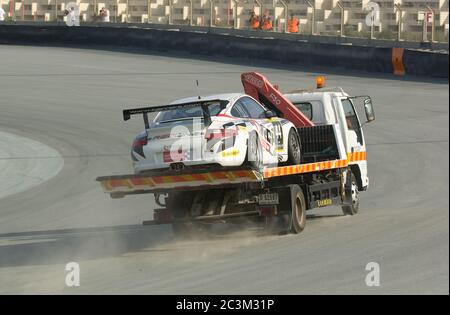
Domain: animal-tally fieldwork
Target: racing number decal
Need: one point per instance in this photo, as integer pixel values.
(268, 134)
(278, 130)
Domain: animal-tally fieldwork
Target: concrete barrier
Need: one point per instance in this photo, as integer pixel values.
(365, 58)
(319, 39)
(425, 63)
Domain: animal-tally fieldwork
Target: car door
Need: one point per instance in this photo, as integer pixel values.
(270, 130)
(356, 148)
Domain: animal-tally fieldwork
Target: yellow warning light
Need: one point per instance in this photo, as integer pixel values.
(320, 81)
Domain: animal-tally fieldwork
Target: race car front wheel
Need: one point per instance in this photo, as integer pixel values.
(293, 148)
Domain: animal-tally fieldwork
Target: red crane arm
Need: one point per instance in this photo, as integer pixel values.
(257, 86)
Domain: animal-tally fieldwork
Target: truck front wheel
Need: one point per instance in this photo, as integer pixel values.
(353, 207)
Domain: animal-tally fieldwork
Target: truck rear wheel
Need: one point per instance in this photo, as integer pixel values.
(298, 205)
(183, 230)
(352, 190)
(180, 204)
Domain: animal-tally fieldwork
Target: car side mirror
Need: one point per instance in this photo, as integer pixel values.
(368, 107)
(270, 114)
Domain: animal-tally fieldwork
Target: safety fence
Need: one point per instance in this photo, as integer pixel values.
(400, 20)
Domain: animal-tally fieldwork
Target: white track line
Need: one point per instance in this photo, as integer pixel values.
(25, 163)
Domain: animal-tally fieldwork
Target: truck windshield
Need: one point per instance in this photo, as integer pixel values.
(187, 113)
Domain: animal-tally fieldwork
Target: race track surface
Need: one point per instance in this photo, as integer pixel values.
(71, 100)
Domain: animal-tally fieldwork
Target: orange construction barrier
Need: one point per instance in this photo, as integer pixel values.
(397, 61)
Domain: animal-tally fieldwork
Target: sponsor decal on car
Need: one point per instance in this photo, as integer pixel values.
(159, 137)
(175, 156)
(230, 153)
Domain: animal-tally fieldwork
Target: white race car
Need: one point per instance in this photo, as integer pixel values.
(219, 130)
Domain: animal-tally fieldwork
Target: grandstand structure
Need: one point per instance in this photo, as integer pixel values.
(316, 16)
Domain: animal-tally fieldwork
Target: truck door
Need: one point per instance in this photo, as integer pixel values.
(356, 147)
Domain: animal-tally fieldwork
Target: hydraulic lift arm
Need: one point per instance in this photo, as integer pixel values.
(257, 86)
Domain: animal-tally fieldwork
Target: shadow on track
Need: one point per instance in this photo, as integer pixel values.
(65, 245)
(62, 246)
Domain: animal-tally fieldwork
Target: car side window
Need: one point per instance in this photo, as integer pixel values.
(255, 110)
(239, 111)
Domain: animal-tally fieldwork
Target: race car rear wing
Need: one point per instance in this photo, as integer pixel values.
(203, 104)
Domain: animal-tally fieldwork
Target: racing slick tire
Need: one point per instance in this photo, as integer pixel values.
(298, 208)
(294, 156)
(353, 193)
(254, 152)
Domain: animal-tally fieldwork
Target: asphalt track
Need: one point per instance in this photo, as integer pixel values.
(71, 101)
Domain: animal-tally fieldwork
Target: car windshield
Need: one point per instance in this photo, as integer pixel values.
(188, 113)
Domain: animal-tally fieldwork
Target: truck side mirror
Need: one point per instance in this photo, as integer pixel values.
(368, 107)
(269, 114)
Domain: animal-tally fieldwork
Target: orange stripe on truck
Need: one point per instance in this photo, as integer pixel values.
(231, 176)
(356, 156)
(303, 168)
(243, 174)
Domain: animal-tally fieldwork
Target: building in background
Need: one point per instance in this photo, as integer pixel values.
(315, 16)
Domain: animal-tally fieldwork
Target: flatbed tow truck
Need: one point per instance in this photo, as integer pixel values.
(333, 169)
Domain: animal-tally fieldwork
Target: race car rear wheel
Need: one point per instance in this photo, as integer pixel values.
(254, 152)
(294, 157)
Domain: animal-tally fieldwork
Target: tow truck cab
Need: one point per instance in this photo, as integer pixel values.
(335, 107)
